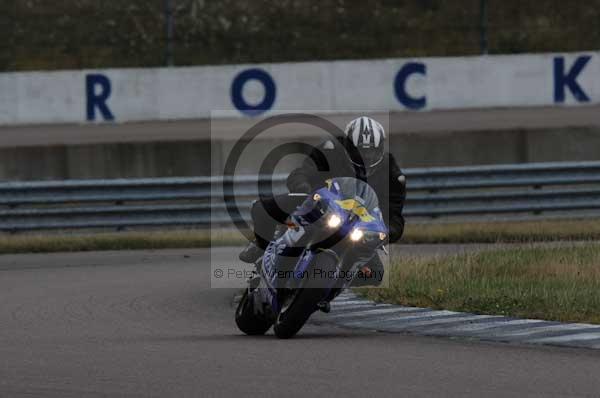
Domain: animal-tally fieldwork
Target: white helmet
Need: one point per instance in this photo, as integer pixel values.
(364, 139)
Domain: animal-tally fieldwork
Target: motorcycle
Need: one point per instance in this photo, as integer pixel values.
(309, 262)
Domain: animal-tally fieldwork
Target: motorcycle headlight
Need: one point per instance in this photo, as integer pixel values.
(356, 235)
(334, 221)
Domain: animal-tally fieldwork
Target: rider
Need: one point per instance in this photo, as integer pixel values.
(359, 153)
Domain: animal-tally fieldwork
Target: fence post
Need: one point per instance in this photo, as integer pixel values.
(169, 32)
(483, 25)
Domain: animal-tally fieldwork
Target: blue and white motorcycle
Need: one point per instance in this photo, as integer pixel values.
(328, 238)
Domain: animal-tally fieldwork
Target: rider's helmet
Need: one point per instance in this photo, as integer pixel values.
(364, 141)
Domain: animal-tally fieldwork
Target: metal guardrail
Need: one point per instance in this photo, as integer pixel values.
(432, 192)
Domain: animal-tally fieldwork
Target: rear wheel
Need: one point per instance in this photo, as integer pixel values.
(247, 320)
(300, 305)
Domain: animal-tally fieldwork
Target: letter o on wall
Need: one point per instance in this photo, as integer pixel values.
(238, 85)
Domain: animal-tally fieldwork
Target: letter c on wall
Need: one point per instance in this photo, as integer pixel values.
(403, 75)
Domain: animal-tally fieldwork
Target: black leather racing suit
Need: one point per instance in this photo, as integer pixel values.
(330, 160)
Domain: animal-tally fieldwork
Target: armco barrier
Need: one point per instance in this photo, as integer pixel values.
(479, 191)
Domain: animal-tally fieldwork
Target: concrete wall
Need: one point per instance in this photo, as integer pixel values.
(193, 158)
(120, 95)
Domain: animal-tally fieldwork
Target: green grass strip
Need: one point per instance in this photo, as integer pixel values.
(504, 232)
(49, 243)
(492, 232)
(553, 283)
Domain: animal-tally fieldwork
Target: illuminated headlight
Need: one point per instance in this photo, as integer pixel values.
(382, 236)
(356, 235)
(334, 221)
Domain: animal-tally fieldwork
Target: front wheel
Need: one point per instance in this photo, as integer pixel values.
(247, 320)
(303, 301)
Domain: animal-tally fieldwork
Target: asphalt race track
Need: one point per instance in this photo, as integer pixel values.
(148, 324)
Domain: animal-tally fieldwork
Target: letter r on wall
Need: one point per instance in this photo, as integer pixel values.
(98, 89)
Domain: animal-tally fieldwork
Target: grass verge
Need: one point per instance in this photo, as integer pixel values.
(117, 241)
(493, 232)
(553, 283)
(504, 232)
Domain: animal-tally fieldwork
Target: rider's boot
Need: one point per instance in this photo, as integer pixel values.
(251, 253)
(367, 277)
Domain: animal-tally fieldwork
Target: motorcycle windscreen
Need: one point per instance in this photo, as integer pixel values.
(353, 188)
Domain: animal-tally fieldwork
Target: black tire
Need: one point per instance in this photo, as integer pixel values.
(247, 321)
(291, 319)
(302, 303)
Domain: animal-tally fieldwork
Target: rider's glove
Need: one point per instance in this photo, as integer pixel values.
(395, 234)
(301, 187)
